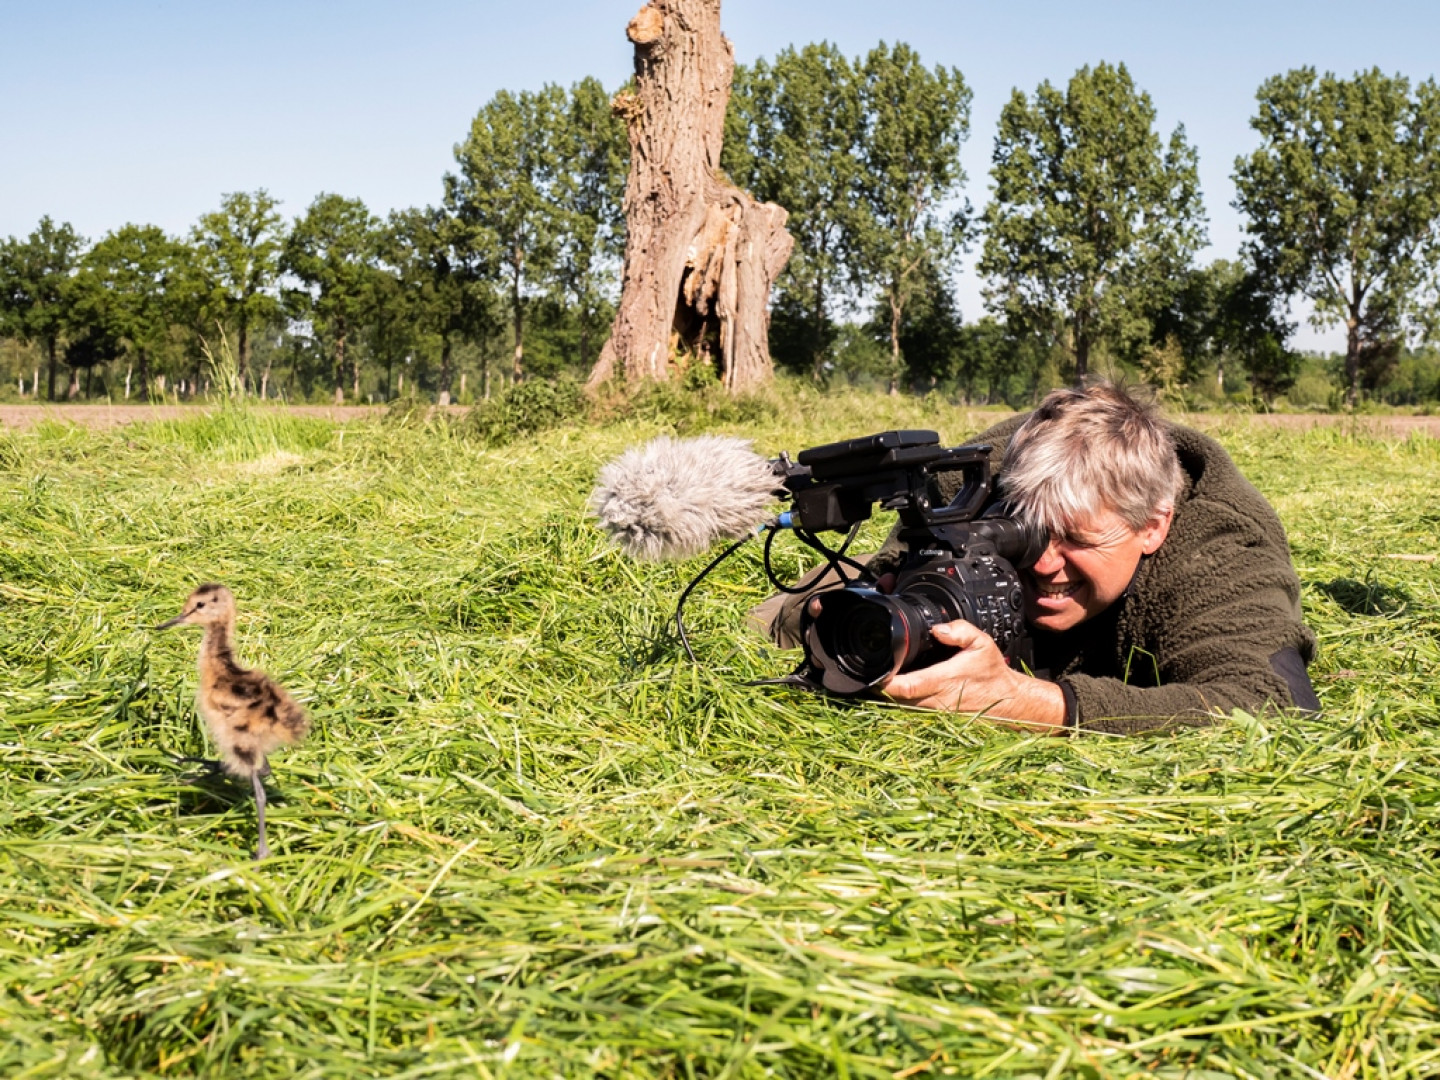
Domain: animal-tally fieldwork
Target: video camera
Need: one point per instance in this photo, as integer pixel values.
(958, 555)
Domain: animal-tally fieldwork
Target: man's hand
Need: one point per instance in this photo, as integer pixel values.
(978, 680)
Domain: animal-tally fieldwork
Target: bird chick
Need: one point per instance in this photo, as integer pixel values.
(248, 713)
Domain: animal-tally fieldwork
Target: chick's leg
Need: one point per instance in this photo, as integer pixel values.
(262, 851)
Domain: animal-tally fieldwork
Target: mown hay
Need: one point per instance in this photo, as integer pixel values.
(528, 839)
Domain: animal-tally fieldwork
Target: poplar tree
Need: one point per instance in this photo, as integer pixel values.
(239, 248)
(444, 300)
(1343, 201)
(35, 278)
(1092, 221)
(794, 137)
(915, 122)
(331, 250)
(1227, 313)
(502, 199)
(588, 192)
(122, 294)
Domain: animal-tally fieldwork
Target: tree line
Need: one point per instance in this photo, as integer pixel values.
(344, 302)
(1087, 247)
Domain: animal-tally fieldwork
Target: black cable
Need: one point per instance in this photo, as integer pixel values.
(775, 581)
(680, 607)
(835, 558)
(832, 559)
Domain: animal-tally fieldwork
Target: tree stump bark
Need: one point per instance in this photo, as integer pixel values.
(700, 254)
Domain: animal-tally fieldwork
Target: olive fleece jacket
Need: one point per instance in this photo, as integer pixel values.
(1206, 623)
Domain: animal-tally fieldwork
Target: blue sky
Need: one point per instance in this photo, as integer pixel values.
(147, 112)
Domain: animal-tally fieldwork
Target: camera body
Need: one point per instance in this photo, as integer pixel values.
(959, 556)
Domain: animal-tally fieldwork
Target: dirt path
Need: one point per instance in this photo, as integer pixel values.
(103, 416)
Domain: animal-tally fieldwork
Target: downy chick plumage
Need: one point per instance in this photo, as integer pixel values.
(248, 713)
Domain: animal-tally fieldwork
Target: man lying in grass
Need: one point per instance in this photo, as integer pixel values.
(1166, 592)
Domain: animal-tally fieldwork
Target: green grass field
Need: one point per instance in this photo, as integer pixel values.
(527, 838)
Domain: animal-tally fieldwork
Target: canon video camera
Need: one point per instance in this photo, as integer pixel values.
(958, 557)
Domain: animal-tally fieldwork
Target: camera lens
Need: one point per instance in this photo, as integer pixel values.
(934, 602)
(866, 641)
(859, 636)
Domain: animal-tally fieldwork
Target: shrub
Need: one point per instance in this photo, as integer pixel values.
(1312, 390)
(693, 403)
(524, 409)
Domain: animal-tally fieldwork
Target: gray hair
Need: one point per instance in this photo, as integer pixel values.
(1087, 449)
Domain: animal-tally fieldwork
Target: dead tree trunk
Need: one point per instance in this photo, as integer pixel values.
(517, 307)
(340, 368)
(700, 254)
(242, 359)
(446, 371)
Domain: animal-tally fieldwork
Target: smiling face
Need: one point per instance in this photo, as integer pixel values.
(1086, 570)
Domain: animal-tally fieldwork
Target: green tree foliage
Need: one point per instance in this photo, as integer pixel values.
(1251, 328)
(1343, 201)
(931, 335)
(197, 316)
(1271, 366)
(88, 348)
(239, 248)
(1088, 258)
(915, 122)
(1413, 378)
(35, 278)
(445, 302)
(394, 329)
(588, 193)
(994, 365)
(1192, 319)
(504, 199)
(980, 357)
(1093, 221)
(122, 295)
(793, 136)
(1224, 314)
(331, 251)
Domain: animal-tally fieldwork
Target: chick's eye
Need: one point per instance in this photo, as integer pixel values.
(200, 604)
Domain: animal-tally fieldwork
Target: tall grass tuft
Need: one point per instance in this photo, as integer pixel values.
(528, 839)
(223, 367)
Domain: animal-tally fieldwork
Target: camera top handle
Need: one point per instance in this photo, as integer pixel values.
(835, 486)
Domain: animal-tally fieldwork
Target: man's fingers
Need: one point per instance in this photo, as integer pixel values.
(921, 683)
(915, 685)
(959, 633)
(900, 686)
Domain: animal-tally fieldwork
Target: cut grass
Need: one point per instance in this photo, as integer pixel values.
(527, 838)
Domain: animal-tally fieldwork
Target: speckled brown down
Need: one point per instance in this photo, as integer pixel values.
(249, 714)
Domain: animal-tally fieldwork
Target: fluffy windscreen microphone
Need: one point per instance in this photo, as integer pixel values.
(673, 498)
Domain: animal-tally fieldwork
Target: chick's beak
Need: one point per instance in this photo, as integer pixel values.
(176, 621)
